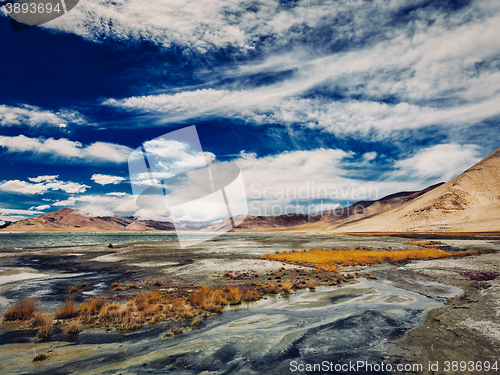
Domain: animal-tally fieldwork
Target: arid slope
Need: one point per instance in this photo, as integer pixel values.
(468, 203)
(324, 220)
(68, 220)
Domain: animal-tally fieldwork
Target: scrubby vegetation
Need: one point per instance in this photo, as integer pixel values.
(328, 260)
(39, 357)
(424, 244)
(22, 310)
(72, 327)
(185, 307)
(67, 310)
(45, 330)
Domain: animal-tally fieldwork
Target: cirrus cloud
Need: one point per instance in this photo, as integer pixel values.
(65, 150)
(35, 116)
(41, 186)
(103, 179)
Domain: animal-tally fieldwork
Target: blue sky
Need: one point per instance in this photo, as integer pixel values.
(361, 98)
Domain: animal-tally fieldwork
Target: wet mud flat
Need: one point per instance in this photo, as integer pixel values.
(383, 320)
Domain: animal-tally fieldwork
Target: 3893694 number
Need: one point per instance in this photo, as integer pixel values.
(454, 366)
(32, 8)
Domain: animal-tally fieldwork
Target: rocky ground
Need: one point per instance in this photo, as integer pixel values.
(465, 328)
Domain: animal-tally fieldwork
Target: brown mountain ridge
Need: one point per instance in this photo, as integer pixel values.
(69, 220)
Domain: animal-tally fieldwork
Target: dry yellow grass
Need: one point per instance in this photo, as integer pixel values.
(424, 244)
(45, 330)
(154, 297)
(158, 282)
(74, 290)
(92, 306)
(38, 320)
(234, 295)
(208, 299)
(269, 288)
(67, 310)
(133, 286)
(141, 301)
(286, 287)
(21, 310)
(251, 295)
(329, 259)
(73, 327)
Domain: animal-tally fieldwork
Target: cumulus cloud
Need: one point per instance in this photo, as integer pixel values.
(9, 214)
(65, 150)
(327, 179)
(43, 178)
(35, 116)
(101, 205)
(442, 162)
(9, 211)
(103, 179)
(40, 208)
(117, 194)
(41, 185)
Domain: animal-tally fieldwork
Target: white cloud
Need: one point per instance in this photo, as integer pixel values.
(9, 211)
(41, 185)
(439, 69)
(117, 194)
(200, 25)
(43, 178)
(40, 208)
(197, 103)
(9, 214)
(442, 162)
(117, 204)
(103, 179)
(65, 150)
(35, 116)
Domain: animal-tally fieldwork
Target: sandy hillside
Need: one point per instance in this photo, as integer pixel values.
(469, 202)
(69, 220)
(320, 222)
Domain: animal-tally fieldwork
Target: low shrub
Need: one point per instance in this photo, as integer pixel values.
(45, 331)
(73, 327)
(67, 310)
(21, 310)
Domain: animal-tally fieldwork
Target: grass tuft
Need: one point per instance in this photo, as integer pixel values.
(21, 310)
(39, 357)
(67, 310)
(38, 320)
(73, 327)
(286, 287)
(133, 286)
(74, 290)
(45, 331)
(157, 282)
(117, 287)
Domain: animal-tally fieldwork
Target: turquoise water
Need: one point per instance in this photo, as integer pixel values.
(37, 240)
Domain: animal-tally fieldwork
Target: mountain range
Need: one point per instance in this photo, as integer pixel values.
(468, 203)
